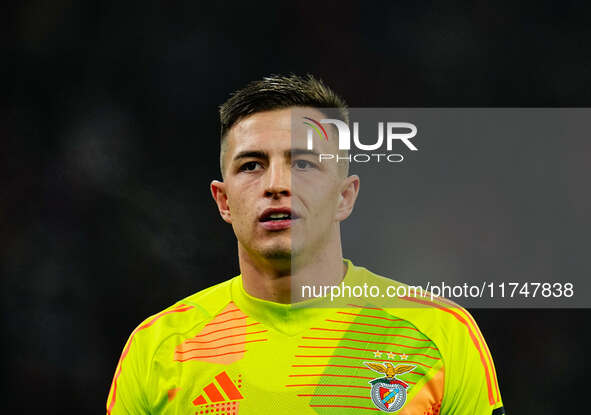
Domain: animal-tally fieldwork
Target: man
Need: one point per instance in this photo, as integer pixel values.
(254, 344)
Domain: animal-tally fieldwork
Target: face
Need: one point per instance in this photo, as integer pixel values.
(280, 200)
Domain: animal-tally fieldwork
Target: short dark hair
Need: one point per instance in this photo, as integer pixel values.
(277, 92)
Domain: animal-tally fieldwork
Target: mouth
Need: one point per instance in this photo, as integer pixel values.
(275, 219)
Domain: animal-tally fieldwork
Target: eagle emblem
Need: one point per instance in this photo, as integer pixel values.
(388, 393)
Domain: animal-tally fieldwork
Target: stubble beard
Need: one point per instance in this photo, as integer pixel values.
(279, 254)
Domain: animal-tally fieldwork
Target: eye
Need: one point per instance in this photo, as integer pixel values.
(303, 164)
(250, 166)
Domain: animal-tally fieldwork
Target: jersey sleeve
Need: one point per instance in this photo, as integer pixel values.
(472, 387)
(127, 393)
(130, 391)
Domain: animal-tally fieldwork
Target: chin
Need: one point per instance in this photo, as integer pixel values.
(277, 253)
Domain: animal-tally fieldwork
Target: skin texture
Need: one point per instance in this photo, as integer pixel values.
(264, 169)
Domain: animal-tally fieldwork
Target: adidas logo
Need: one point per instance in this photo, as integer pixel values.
(215, 391)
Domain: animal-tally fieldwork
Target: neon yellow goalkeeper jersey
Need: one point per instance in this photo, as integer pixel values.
(222, 351)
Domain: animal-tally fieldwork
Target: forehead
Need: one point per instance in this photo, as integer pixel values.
(281, 128)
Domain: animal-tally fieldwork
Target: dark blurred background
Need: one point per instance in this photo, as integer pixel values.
(109, 139)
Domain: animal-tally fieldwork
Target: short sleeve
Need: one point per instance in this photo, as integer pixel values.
(472, 387)
(127, 395)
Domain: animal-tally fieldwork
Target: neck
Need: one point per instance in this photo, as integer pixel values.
(281, 281)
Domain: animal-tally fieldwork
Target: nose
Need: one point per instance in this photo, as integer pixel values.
(278, 180)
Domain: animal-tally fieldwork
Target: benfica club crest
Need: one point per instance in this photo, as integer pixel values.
(388, 393)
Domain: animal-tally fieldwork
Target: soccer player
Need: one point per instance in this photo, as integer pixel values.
(252, 344)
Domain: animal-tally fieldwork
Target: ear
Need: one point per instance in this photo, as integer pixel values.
(218, 191)
(347, 197)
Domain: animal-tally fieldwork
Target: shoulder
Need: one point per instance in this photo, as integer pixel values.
(180, 317)
(448, 324)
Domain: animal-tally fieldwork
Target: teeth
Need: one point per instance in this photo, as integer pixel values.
(279, 216)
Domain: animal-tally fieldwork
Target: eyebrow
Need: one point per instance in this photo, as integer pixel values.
(251, 154)
(303, 151)
(264, 155)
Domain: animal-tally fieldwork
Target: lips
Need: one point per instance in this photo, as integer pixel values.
(272, 214)
(275, 219)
